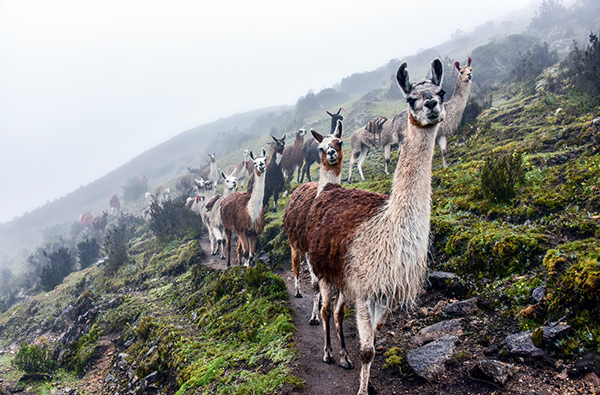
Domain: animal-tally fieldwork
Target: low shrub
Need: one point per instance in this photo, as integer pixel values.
(500, 177)
(34, 359)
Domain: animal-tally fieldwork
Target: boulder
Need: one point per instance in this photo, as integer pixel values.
(521, 344)
(462, 308)
(429, 360)
(437, 331)
(494, 371)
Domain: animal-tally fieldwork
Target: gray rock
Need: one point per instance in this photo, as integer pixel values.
(441, 280)
(429, 361)
(462, 308)
(553, 333)
(437, 331)
(521, 344)
(538, 294)
(264, 258)
(494, 371)
(596, 121)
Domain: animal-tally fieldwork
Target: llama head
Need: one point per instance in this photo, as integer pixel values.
(465, 73)
(231, 180)
(260, 162)
(425, 99)
(208, 185)
(279, 144)
(301, 133)
(330, 147)
(199, 183)
(212, 157)
(246, 155)
(334, 118)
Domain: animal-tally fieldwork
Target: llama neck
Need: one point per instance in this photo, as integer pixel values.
(329, 174)
(255, 204)
(396, 239)
(227, 191)
(455, 107)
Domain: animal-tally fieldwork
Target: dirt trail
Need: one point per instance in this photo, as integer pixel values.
(319, 378)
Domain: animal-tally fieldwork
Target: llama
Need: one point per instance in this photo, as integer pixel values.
(294, 220)
(162, 193)
(371, 248)
(274, 180)
(244, 214)
(185, 183)
(242, 168)
(292, 158)
(213, 214)
(99, 223)
(380, 133)
(310, 151)
(211, 172)
(206, 191)
(455, 107)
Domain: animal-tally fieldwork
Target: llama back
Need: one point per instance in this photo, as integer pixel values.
(296, 214)
(332, 223)
(239, 223)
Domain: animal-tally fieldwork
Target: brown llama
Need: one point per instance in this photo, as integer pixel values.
(371, 248)
(455, 107)
(244, 214)
(301, 200)
(310, 151)
(292, 159)
(214, 221)
(99, 223)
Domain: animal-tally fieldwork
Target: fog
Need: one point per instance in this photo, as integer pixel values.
(86, 86)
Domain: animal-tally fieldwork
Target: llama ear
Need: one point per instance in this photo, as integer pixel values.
(233, 172)
(252, 155)
(469, 61)
(274, 138)
(338, 113)
(223, 175)
(330, 114)
(263, 152)
(317, 136)
(437, 71)
(402, 78)
(338, 130)
(284, 136)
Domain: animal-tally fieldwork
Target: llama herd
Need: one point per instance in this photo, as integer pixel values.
(358, 245)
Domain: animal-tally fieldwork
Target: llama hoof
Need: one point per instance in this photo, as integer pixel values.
(298, 295)
(222, 257)
(328, 359)
(370, 389)
(314, 321)
(346, 364)
(213, 253)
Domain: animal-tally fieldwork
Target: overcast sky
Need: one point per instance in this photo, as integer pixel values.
(85, 86)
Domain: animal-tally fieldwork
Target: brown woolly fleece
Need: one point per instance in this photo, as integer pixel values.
(332, 223)
(240, 222)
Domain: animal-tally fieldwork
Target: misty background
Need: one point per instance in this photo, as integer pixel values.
(87, 86)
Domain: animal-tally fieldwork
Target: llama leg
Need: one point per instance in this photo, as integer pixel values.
(244, 249)
(222, 243)
(296, 271)
(338, 316)
(213, 241)
(367, 343)
(325, 313)
(386, 154)
(275, 198)
(228, 240)
(364, 151)
(314, 317)
(252, 240)
(442, 143)
(353, 157)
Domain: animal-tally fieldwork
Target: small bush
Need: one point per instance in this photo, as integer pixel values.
(89, 251)
(34, 359)
(173, 220)
(115, 246)
(60, 264)
(500, 177)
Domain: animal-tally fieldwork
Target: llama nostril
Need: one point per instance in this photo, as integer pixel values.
(430, 104)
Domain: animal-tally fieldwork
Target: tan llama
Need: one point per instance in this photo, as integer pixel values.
(455, 107)
(294, 220)
(243, 213)
(372, 248)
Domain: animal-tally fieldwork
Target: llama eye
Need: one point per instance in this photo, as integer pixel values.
(340, 143)
(441, 94)
(411, 101)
